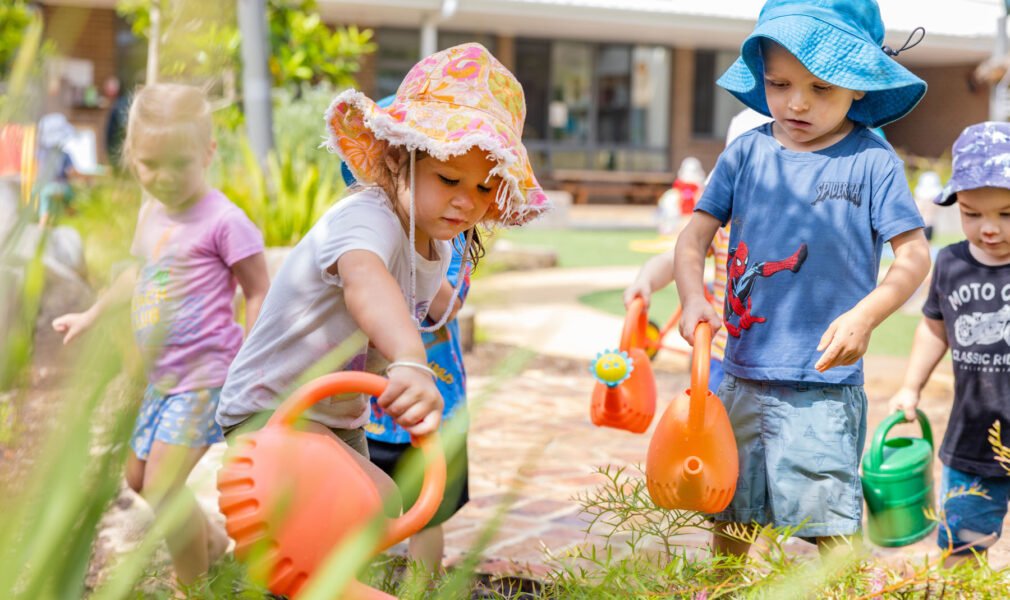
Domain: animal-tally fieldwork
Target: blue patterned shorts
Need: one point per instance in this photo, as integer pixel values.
(799, 447)
(185, 419)
(974, 522)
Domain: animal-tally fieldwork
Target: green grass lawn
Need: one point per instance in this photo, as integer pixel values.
(585, 247)
(892, 338)
(604, 248)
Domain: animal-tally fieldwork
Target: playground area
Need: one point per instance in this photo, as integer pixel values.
(533, 451)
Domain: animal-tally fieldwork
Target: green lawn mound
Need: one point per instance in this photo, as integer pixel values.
(892, 338)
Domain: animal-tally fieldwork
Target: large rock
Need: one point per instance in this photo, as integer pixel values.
(65, 288)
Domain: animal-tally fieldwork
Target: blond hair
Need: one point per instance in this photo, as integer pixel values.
(171, 111)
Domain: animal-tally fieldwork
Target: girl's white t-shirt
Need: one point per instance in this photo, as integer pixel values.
(304, 319)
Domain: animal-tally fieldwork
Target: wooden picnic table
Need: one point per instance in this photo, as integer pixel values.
(642, 187)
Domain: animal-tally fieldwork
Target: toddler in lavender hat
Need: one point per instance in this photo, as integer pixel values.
(968, 311)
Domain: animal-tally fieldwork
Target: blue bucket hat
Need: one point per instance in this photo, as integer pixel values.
(981, 158)
(838, 41)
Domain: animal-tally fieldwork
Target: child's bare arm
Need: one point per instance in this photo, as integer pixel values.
(376, 303)
(928, 347)
(688, 271)
(72, 325)
(846, 339)
(656, 274)
(251, 273)
(441, 303)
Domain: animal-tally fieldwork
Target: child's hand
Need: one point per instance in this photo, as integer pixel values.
(695, 311)
(73, 324)
(906, 400)
(412, 400)
(844, 341)
(639, 288)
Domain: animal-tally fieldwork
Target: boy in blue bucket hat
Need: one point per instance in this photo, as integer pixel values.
(968, 311)
(812, 196)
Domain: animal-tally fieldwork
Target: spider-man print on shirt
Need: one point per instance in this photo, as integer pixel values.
(742, 277)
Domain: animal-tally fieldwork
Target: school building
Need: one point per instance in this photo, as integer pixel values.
(618, 91)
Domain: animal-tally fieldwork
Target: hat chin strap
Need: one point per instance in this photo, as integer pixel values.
(413, 266)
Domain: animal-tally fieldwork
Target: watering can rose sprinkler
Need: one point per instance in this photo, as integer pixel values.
(290, 497)
(692, 462)
(624, 396)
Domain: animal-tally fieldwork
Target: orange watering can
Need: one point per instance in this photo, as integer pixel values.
(625, 395)
(692, 461)
(289, 497)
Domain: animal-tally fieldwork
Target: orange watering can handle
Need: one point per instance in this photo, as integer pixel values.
(635, 324)
(433, 486)
(432, 490)
(700, 359)
(323, 387)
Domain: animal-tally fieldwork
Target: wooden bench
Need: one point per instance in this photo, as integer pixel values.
(633, 186)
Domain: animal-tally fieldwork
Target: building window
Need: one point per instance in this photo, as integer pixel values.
(400, 49)
(595, 106)
(572, 73)
(532, 69)
(650, 96)
(714, 107)
(448, 39)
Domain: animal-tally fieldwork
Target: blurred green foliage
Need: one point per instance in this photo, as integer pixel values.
(201, 40)
(15, 18)
(21, 52)
(305, 50)
(300, 180)
(198, 40)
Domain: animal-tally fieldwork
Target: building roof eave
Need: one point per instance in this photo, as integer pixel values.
(603, 21)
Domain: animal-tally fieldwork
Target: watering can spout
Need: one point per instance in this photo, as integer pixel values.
(692, 462)
(692, 469)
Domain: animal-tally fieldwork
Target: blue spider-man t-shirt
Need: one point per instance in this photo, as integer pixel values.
(806, 237)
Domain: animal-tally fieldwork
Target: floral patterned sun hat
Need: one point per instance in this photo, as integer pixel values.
(448, 103)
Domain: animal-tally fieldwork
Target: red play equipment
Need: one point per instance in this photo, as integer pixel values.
(692, 461)
(625, 395)
(654, 334)
(290, 497)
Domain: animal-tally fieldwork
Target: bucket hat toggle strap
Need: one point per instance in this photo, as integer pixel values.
(906, 46)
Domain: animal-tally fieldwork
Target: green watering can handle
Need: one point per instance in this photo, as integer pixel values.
(877, 448)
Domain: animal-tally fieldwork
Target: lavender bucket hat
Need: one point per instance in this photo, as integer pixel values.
(981, 158)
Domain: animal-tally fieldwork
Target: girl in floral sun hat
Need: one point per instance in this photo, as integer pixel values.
(443, 158)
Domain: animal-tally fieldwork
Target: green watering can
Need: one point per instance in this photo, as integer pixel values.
(898, 484)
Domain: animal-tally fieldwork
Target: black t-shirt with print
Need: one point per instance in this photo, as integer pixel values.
(973, 301)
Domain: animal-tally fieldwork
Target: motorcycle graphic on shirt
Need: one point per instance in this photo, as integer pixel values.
(983, 328)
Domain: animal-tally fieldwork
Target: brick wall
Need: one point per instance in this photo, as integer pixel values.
(366, 75)
(949, 106)
(86, 33)
(682, 141)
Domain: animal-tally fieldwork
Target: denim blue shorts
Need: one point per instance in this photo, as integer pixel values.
(799, 447)
(185, 419)
(974, 522)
